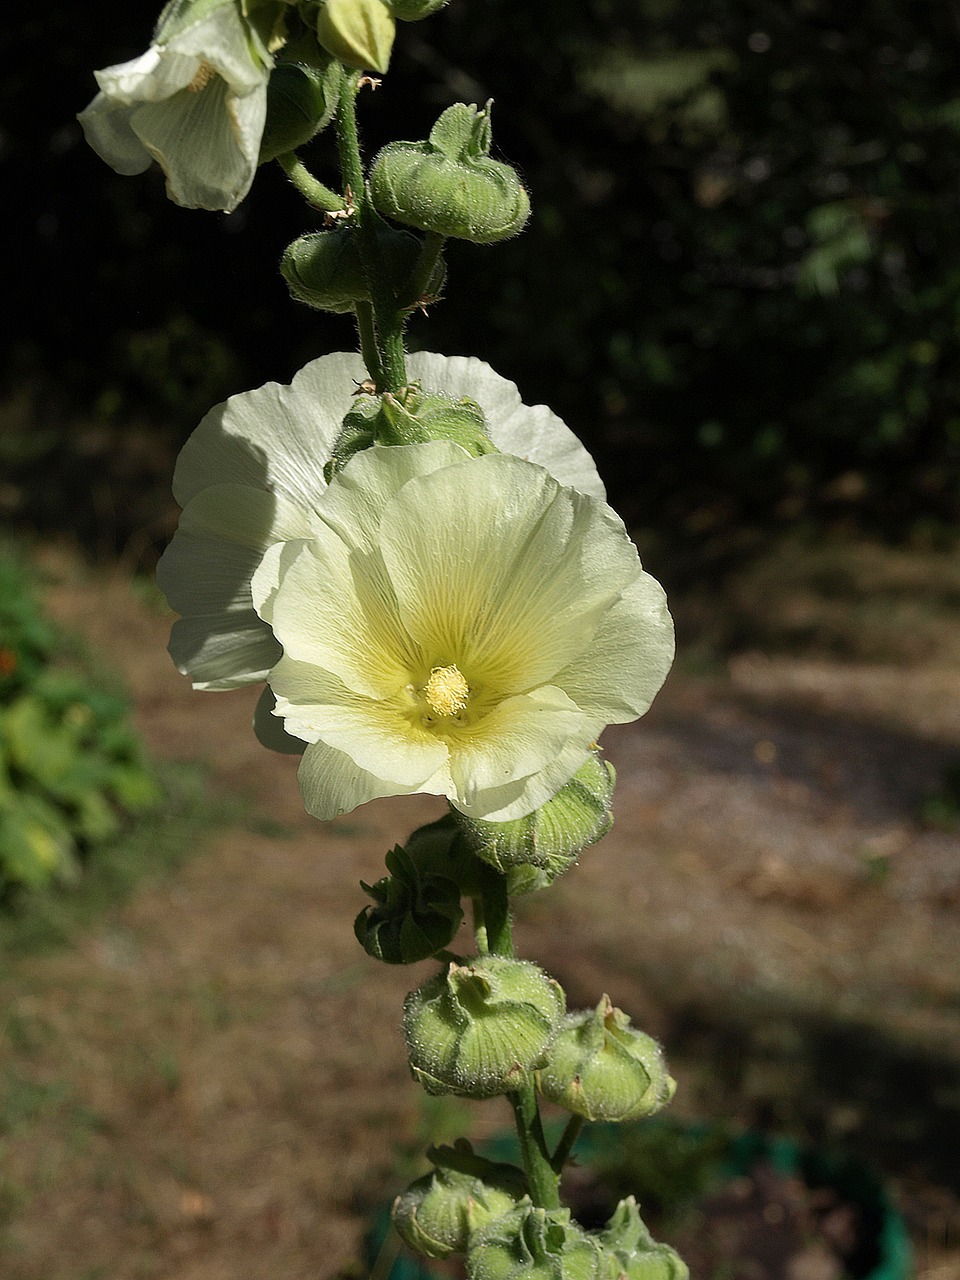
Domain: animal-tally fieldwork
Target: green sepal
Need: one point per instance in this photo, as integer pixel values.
(479, 1028)
(632, 1251)
(438, 1213)
(301, 100)
(358, 432)
(552, 837)
(412, 917)
(535, 1244)
(416, 417)
(602, 1068)
(449, 184)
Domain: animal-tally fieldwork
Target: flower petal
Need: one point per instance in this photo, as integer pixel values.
(499, 569)
(332, 783)
(533, 432)
(106, 127)
(318, 707)
(276, 438)
(225, 652)
(359, 638)
(519, 737)
(205, 142)
(205, 574)
(355, 504)
(628, 661)
(517, 799)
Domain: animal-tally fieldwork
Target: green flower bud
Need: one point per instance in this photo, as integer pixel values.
(535, 1244)
(413, 916)
(477, 1029)
(449, 184)
(438, 850)
(632, 1251)
(416, 418)
(414, 10)
(437, 1214)
(358, 32)
(602, 1068)
(324, 270)
(301, 100)
(552, 836)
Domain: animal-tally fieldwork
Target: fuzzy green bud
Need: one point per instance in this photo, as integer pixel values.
(449, 184)
(324, 268)
(301, 100)
(413, 916)
(358, 32)
(415, 417)
(438, 1213)
(438, 850)
(632, 1251)
(414, 10)
(535, 1244)
(479, 1028)
(602, 1068)
(552, 836)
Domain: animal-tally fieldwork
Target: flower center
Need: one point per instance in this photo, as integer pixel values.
(446, 691)
(203, 77)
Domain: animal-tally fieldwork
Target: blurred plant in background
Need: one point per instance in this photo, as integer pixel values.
(71, 767)
(744, 235)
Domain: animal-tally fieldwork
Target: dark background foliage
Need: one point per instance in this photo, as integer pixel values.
(740, 284)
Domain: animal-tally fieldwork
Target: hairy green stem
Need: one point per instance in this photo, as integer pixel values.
(541, 1179)
(494, 904)
(566, 1144)
(388, 316)
(367, 329)
(312, 189)
(494, 912)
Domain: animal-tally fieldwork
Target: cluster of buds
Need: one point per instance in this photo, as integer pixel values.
(529, 1243)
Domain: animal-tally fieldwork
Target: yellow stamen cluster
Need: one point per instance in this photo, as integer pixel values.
(446, 691)
(203, 77)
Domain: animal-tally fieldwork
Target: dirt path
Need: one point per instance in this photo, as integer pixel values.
(212, 1087)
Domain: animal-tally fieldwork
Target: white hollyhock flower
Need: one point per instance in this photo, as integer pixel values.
(195, 102)
(459, 626)
(251, 475)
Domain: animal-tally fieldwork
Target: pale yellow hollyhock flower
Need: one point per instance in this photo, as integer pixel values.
(459, 626)
(195, 102)
(251, 475)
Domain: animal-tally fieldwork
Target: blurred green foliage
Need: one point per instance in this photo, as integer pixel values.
(71, 767)
(740, 285)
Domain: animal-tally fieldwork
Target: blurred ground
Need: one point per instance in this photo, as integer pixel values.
(212, 1086)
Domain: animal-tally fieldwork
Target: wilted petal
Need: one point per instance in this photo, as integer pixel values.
(195, 102)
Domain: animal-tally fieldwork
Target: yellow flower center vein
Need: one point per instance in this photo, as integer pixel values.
(446, 691)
